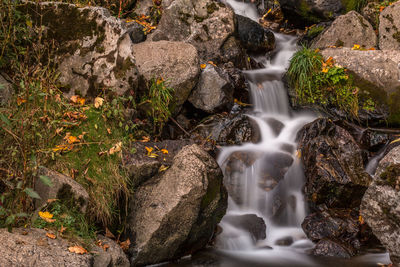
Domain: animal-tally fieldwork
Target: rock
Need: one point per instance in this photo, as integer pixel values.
(285, 241)
(253, 36)
(333, 165)
(233, 52)
(93, 51)
(334, 224)
(214, 91)
(175, 62)
(380, 204)
(389, 27)
(249, 222)
(113, 256)
(63, 187)
(348, 30)
(371, 13)
(31, 247)
(176, 212)
(273, 169)
(140, 168)
(206, 24)
(233, 129)
(376, 73)
(143, 7)
(329, 248)
(5, 91)
(310, 11)
(136, 33)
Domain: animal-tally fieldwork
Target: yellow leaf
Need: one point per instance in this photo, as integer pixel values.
(160, 81)
(163, 168)
(52, 236)
(164, 151)
(356, 47)
(211, 63)
(77, 250)
(45, 214)
(395, 141)
(116, 148)
(325, 70)
(361, 219)
(152, 155)
(203, 66)
(98, 102)
(148, 149)
(62, 148)
(77, 100)
(72, 139)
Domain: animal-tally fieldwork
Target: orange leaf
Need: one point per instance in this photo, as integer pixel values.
(149, 149)
(164, 151)
(77, 100)
(52, 236)
(20, 100)
(211, 63)
(125, 245)
(45, 215)
(72, 139)
(145, 139)
(78, 250)
(203, 66)
(62, 229)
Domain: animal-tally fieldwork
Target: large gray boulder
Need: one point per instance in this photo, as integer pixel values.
(206, 24)
(31, 247)
(63, 187)
(389, 27)
(380, 205)
(175, 213)
(176, 62)
(348, 30)
(112, 256)
(375, 72)
(214, 91)
(93, 51)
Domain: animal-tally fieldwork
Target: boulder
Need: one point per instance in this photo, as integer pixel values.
(330, 248)
(214, 91)
(112, 256)
(232, 129)
(380, 204)
(376, 73)
(206, 24)
(176, 62)
(333, 165)
(249, 222)
(253, 36)
(31, 247)
(63, 187)
(334, 225)
(348, 30)
(175, 213)
(5, 91)
(93, 51)
(141, 168)
(371, 13)
(136, 32)
(311, 11)
(389, 27)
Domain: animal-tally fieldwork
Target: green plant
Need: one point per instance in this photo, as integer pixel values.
(314, 31)
(157, 103)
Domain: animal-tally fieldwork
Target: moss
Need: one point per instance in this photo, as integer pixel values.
(396, 36)
(391, 175)
(394, 108)
(199, 19)
(213, 190)
(212, 7)
(389, 17)
(184, 17)
(356, 5)
(314, 31)
(122, 67)
(339, 43)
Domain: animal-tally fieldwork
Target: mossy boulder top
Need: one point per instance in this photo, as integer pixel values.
(93, 53)
(389, 27)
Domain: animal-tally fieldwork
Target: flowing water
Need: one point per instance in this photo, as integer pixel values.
(266, 178)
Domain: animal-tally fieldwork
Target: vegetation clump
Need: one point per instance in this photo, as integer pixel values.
(322, 82)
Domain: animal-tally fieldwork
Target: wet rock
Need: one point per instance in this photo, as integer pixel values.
(376, 74)
(113, 256)
(348, 30)
(232, 129)
(31, 247)
(333, 165)
(93, 51)
(285, 242)
(275, 125)
(176, 212)
(389, 27)
(273, 169)
(206, 24)
(141, 168)
(5, 91)
(249, 222)
(253, 36)
(329, 248)
(63, 187)
(334, 224)
(232, 51)
(380, 204)
(175, 62)
(213, 92)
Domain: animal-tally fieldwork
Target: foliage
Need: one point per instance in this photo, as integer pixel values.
(322, 82)
(314, 30)
(157, 103)
(356, 5)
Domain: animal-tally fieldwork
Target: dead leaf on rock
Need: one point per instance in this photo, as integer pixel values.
(125, 245)
(50, 235)
(78, 250)
(109, 234)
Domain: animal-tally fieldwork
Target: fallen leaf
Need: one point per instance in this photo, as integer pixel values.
(20, 100)
(361, 219)
(152, 155)
(72, 139)
(77, 250)
(145, 139)
(148, 149)
(211, 63)
(51, 200)
(356, 47)
(47, 216)
(164, 151)
(116, 148)
(77, 100)
(98, 102)
(52, 236)
(160, 81)
(125, 245)
(108, 130)
(109, 234)
(59, 130)
(163, 168)
(203, 66)
(62, 229)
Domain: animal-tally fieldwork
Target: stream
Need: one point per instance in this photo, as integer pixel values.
(265, 179)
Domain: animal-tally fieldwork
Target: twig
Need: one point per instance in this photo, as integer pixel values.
(180, 127)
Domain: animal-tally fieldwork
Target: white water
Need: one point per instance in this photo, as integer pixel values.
(271, 107)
